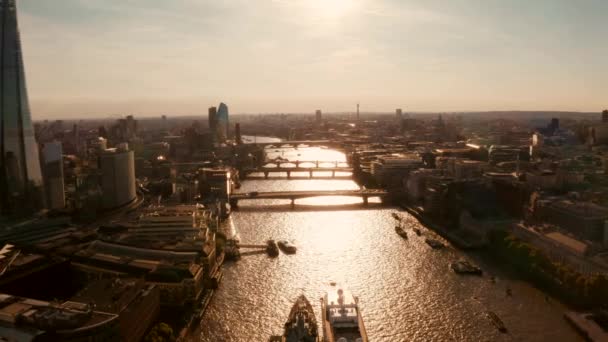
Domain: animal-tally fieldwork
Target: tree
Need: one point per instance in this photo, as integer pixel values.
(161, 332)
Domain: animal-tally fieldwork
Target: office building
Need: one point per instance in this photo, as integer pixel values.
(117, 167)
(213, 121)
(21, 184)
(216, 182)
(399, 114)
(318, 116)
(52, 155)
(25, 319)
(237, 133)
(136, 303)
(222, 122)
(164, 124)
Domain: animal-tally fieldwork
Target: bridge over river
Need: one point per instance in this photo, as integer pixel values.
(294, 195)
(302, 143)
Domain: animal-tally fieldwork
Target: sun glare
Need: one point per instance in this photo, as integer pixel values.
(332, 8)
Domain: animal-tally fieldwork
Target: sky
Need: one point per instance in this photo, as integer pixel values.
(93, 58)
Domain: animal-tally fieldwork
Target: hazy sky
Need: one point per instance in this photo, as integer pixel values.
(152, 57)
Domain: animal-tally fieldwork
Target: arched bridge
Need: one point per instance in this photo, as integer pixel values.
(294, 195)
(308, 143)
(283, 166)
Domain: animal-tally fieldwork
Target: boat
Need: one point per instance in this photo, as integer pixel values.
(496, 321)
(417, 231)
(401, 232)
(435, 244)
(301, 325)
(465, 267)
(287, 247)
(396, 217)
(342, 321)
(271, 248)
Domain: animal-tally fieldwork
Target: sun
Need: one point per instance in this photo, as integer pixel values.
(332, 8)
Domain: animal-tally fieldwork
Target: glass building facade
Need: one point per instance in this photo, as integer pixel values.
(222, 122)
(21, 185)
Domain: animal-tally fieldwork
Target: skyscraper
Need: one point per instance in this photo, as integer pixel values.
(222, 122)
(212, 119)
(52, 153)
(237, 133)
(117, 177)
(318, 117)
(21, 185)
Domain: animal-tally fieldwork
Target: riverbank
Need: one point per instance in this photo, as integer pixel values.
(197, 315)
(578, 290)
(457, 238)
(582, 291)
(586, 325)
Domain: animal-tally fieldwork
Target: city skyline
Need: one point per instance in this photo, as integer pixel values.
(94, 58)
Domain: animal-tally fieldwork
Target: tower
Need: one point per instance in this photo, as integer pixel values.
(52, 153)
(213, 122)
(318, 116)
(21, 185)
(117, 168)
(222, 122)
(237, 134)
(357, 112)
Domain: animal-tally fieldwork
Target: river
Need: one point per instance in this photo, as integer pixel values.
(406, 291)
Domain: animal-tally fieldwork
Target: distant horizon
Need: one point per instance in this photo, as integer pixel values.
(203, 116)
(149, 57)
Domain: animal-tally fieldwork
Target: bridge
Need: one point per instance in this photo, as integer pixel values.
(294, 195)
(310, 170)
(296, 143)
(305, 166)
(278, 162)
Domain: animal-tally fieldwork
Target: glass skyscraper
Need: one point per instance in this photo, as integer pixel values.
(222, 122)
(21, 185)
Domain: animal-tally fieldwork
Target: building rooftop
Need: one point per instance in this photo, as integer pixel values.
(22, 316)
(111, 295)
(569, 242)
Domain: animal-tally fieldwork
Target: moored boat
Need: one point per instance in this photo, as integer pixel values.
(271, 248)
(301, 325)
(417, 231)
(401, 232)
(465, 267)
(435, 244)
(496, 321)
(287, 247)
(342, 320)
(396, 216)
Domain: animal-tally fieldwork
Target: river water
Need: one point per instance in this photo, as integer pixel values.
(406, 291)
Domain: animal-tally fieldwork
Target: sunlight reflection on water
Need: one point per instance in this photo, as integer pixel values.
(406, 290)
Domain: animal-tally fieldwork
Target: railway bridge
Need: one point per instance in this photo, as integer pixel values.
(294, 195)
